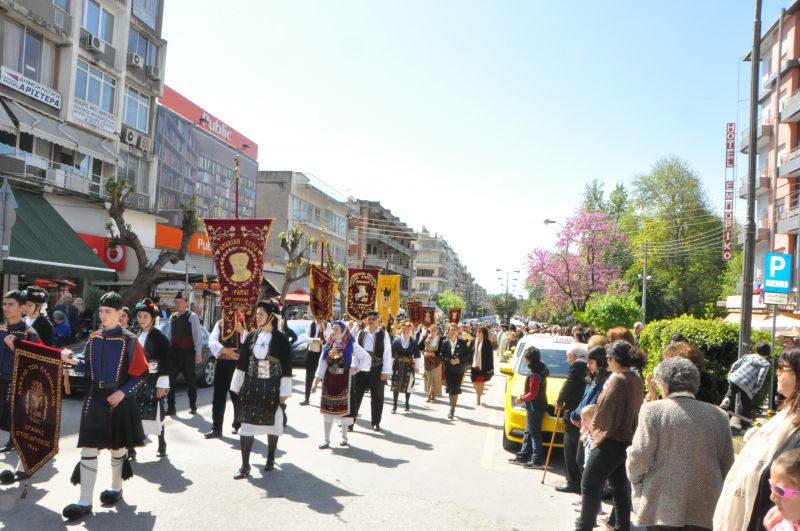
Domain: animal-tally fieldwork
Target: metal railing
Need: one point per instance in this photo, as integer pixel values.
(793, 98)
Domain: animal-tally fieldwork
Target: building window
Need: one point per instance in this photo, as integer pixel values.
(95, 86)
(136, 172)
(63, 5)
(142, 46)
(146, 11)
(28, 53)
(137, 110)
(98, 21)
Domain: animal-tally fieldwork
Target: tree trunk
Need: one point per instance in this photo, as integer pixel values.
(141, 287)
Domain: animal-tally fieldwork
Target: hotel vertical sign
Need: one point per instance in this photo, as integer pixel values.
(727, 212)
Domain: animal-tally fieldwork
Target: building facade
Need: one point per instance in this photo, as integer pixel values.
(295, 198)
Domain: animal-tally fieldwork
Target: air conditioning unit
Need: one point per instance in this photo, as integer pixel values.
(153, 72)
(129, 136)
(95, 44)
(135, 60)
(144, 143)
(141, 201)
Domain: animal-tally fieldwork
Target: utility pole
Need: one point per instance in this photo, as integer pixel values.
(644, 279)
(750, 226)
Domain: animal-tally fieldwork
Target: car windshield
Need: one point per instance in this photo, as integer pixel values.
(299, 327)
(554, 359)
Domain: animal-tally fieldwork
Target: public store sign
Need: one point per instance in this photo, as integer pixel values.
(730, 145)
(777, 299)
(30, 87)
(168, 237)
(727, 211)
(113, 258)
(777, 273)
(93, 115)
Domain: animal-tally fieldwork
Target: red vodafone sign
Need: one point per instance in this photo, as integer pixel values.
(113, 258)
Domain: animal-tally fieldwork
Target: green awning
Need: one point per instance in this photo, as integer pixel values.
(42, 243)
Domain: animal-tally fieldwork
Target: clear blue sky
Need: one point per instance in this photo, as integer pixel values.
(477, 119)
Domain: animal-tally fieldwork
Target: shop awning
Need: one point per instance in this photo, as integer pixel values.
(42, 243)
(297, 297)
(61, 133)
(6, 124)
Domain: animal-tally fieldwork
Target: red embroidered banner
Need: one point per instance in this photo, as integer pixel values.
(362, 286)
(454, 315)
(36, 403)
(428, 315)
(321, 289)
(414, 310)
(238, 247)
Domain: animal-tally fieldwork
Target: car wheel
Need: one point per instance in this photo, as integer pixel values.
(207, 377)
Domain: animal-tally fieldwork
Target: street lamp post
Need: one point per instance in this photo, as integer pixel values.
(507, 272)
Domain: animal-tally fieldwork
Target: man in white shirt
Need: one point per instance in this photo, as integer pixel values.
(318, 333)
(378, 344)
(227, 354)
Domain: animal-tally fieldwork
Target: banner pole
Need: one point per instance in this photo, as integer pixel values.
(236, 186)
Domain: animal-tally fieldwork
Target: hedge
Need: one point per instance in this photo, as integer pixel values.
(717, 339)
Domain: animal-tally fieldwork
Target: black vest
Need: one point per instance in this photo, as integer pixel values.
(181, 332)
(231, 342)
(377, 346)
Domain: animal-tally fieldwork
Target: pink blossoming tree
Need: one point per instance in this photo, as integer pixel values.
(581, 264)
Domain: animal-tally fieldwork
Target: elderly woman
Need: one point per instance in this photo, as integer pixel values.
(676, 435)
(612, 432)
(745, 495)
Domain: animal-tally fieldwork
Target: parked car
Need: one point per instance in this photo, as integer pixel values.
(204, 370)
(554, 356)
(299, 347)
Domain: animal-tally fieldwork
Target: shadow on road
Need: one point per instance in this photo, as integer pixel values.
(115, 517)
(496, 408)
(16, 513)
(368, 456)
(472, 422)
(162, 473)
(398, 439)
(296, 485)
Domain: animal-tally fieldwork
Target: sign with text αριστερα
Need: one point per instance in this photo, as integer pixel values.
(777, 273)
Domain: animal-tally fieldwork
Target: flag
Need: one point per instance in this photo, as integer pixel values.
(388, 296)
(428, 316)
(321, 293)
(361, 290)
(454, 315)
(238, 247)
(414, 309)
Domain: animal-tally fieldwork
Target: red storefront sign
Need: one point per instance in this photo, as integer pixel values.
(113, 258)
(205, 120)
(168, 237)
(727, 222)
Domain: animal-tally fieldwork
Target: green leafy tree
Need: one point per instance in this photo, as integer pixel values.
(593, 197)
(610, 310)
(617, 202)
(504, 304)
(449, 299)
(297, 251)
(732, 274)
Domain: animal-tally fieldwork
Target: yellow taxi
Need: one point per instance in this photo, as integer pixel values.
(554, 356)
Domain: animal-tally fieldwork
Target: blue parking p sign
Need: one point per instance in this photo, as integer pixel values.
(777, 273)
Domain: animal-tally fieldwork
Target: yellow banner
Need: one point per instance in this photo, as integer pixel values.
(388, 296)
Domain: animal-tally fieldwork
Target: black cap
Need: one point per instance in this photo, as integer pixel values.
(111, 300)
(17, 295)
(180, 295)
(269, 307)
(36, 295)
(147, 305)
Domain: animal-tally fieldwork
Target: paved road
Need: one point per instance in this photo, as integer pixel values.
(422, 471)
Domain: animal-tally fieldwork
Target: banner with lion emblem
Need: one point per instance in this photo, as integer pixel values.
(361, 290)
(36, 403)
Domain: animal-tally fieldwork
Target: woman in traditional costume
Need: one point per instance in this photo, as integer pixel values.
(406, 361)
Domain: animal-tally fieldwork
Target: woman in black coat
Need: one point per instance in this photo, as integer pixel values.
(482, 361)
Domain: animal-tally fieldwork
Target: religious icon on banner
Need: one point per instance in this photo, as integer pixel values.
(388, 296)
(454, 315)
(321, 288)
(238, 247)
(36, 383)
(428, 315)
(361, 291)
(414, 309)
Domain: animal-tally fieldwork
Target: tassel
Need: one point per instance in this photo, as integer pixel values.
(25, 489)
(76, 474)
(127, 470)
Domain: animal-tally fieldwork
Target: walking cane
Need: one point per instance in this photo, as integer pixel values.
(552, 441)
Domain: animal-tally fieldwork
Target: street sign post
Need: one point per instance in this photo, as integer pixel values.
(777, 286)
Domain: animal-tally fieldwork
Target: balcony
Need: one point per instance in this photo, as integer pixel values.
(44, 13)
(790, 164)
(764, 131)
(28, 167)
(790, 108)
(762, 183)
(789, 221)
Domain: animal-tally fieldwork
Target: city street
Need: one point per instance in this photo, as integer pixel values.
(422, 471)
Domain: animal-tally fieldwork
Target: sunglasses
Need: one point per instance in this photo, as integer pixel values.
(783, 492)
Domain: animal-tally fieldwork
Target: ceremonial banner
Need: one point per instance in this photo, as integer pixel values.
(362, 287)
(36, 403)
(414, 310)
(388, 296)
(454, 315)
(428, 316)
(321, 290)
(238, 248)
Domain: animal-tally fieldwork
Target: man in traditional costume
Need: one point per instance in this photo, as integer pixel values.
(226, 350)
(406, 362)
(318, 333)
(377, 343)
(341, 360)
(263, 381)
(14, 330)
(110, 419)
(454, 353)
(150, 396)
(186, 341)
(35, 316)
